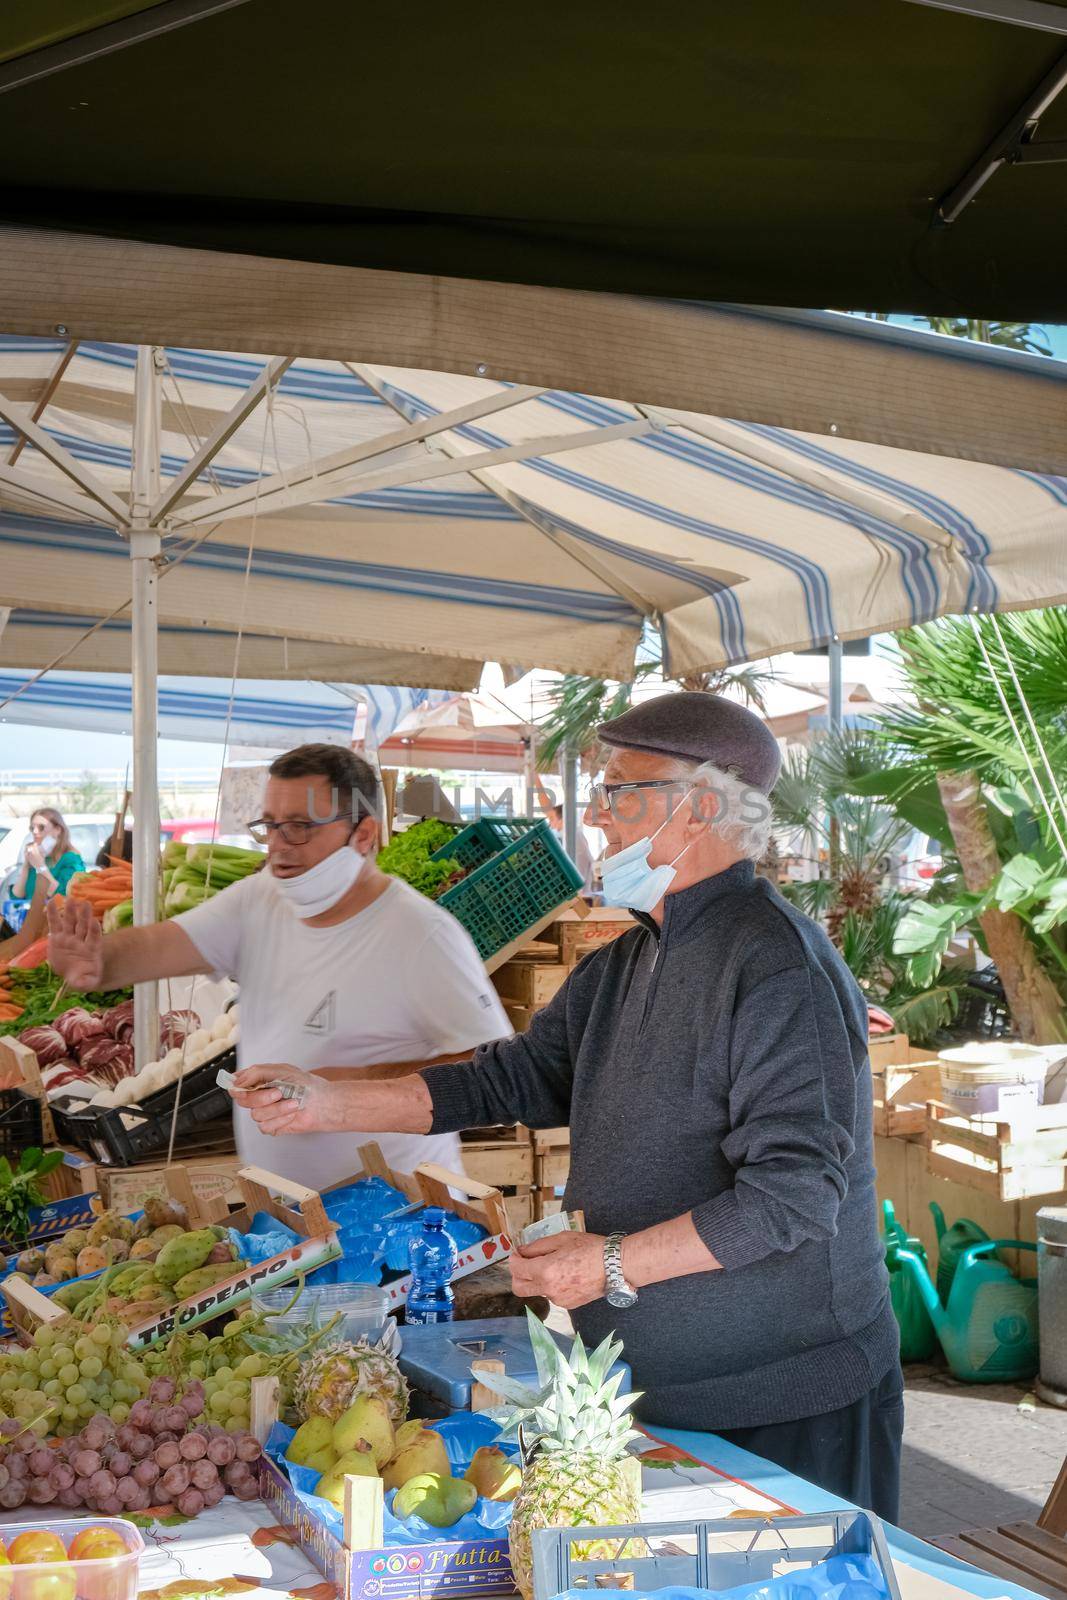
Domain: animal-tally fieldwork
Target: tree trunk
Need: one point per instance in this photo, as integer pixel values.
(1033, 997)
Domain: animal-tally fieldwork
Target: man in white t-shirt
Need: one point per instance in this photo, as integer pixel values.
(340, 967)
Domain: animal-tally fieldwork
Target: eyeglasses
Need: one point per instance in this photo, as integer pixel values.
(603, 794)
(291, 832)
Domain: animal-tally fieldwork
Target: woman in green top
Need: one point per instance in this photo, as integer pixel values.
(49, 853)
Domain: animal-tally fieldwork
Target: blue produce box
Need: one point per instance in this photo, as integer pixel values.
(437, 1359)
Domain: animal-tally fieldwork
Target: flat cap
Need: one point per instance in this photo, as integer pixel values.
(692, 725)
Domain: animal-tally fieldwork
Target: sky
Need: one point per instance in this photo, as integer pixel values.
(39, 748)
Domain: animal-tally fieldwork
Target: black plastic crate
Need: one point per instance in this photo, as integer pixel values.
(20, 1123)
(103, 1134)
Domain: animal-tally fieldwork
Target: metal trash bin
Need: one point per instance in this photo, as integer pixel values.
(1052, 1300)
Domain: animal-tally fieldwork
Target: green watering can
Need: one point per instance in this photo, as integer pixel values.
(918, 1340)
(951, 1243)
(988, 1329)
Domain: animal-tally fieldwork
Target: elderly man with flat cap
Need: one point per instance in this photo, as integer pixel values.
(712, 1066)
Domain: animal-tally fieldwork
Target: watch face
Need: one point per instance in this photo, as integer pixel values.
(622, 1299)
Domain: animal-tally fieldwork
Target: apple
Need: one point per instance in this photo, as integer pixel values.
(38, 1547)
(94, 1544)
(5, 1574)
(105, 1579)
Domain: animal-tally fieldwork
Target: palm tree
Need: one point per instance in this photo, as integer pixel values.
(579, 705)
(1009, 335)
(962, 740)
(850, 837)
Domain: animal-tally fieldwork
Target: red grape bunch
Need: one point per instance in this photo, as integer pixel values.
(161, 1455)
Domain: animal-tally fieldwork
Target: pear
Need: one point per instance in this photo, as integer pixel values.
(423, 1453)
(496, 1476)
(366, 1419)
(321, 1460)
(436, 1497)
(406, 1432)
(358, 1462)
(312, 1436)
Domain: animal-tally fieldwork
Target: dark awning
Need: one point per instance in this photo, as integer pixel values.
(788, 152)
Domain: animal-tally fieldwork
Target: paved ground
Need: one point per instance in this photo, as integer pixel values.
(975, 1455)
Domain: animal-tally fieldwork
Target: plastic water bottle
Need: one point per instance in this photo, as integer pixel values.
(432, 1257)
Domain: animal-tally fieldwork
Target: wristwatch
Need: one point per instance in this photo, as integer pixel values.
(620, 1294)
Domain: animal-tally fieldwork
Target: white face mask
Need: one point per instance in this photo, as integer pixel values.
(628, 880)
(321, 886)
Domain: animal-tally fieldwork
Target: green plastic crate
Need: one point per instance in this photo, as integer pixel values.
(480, 841)
(527, 878)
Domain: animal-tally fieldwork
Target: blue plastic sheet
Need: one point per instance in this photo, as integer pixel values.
(463, 1434)
(373, 1237)
(852, 1577)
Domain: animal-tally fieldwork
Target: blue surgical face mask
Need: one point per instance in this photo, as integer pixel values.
(628, 880)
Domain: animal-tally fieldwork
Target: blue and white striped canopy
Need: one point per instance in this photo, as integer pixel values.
(404, 526)
(259, 714)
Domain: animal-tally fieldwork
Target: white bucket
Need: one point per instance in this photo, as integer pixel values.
(992, 1078)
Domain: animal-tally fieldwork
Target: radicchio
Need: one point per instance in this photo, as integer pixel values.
(119, 1021)
(47, 1044)
(107, 1060)
(175, 1027)
(80, 1028)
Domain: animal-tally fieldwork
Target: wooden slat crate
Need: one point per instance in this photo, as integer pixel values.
(552, 1165)
(125, 1188)
(520, 1017)
(577, 935)
(1014, 1157)
(530, 983)
(889, 1050)
(506, 1164)
(900, 1096)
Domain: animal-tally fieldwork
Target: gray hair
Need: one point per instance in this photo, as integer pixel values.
(744, 817)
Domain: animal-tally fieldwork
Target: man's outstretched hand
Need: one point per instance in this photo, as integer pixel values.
(315, 1113)
(75, 943)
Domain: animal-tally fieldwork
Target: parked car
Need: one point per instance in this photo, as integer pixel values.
(188, 830)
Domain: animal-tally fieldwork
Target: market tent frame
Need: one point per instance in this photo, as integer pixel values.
(582, 523)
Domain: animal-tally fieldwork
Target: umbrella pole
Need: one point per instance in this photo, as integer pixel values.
(570, 804)
(144, 552)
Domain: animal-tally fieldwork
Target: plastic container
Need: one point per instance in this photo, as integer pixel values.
(364, 1308)
(97, 1578)
(432, 1258)
(120, 1136)
(990, 1079)
(437, 1361)
(20, 1123)
(512, 890)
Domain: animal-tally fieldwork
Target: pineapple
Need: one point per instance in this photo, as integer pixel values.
(574, 1435)
(338, 1373)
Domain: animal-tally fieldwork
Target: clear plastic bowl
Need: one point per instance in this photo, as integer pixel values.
(364, 1308)
(104, 1578)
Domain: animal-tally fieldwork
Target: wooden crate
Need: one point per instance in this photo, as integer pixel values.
(503, 1163)
(904, 1177)
(431, 1184)
(126, 1188)
(900, 1096)
(1013, 1157)
(520, 1210)
(889, 1050)
(552, 1165)
(530, 983)
(520, 1017)
(577, 935)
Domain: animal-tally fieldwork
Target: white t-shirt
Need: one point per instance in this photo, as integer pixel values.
(400, 981)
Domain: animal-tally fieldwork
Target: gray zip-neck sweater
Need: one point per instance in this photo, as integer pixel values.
(717, 1066)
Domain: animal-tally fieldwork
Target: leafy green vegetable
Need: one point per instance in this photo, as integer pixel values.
(20, 1190)
(408, 855)
(37, 990)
